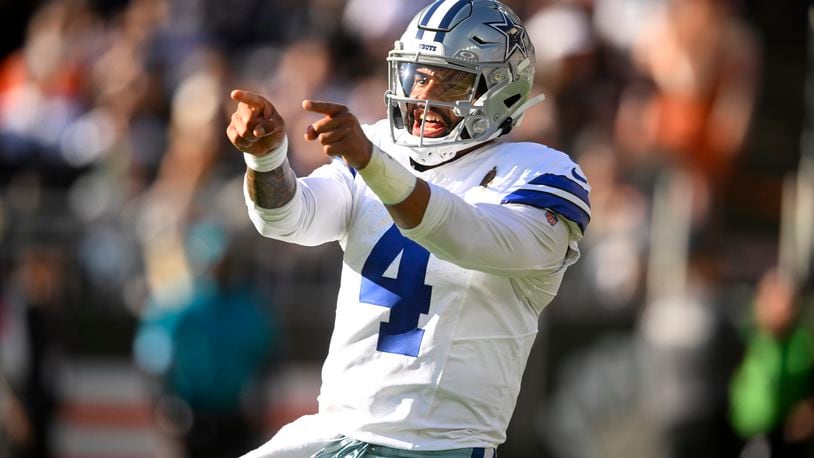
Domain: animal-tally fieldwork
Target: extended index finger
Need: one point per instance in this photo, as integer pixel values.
(326, 108)
(249, 98)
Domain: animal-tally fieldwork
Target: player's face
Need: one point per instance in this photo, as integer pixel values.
(426, 82)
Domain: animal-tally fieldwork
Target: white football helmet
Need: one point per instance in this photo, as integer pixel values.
(459, 76)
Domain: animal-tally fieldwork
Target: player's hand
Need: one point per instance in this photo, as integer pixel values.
(256, 127)
(339, 133)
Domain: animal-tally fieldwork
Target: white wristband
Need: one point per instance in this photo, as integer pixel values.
(268, 161)
(391, 181)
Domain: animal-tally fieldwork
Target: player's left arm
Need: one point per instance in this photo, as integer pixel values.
(501, 239)
(513, 240)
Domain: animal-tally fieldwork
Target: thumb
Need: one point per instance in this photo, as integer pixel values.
(263, 128)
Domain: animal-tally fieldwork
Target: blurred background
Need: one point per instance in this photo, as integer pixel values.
(142, 316)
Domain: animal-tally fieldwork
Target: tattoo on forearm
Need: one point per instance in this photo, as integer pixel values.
(272, 189)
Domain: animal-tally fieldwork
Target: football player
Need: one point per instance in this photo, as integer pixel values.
(453, 240)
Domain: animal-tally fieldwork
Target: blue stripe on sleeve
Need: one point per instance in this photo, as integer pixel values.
(578, 176)
(554, 203)
(563, 183)
(478, 452)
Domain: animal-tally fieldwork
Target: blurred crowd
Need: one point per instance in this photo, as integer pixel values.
(683, 332)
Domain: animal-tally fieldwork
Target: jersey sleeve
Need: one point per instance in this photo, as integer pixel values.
(506, 240)
(560, 193)
(319, 212)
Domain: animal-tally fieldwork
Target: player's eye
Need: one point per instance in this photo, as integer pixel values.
(422, 79)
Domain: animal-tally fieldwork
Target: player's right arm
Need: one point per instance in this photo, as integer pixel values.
(308, 211)
(257, 129)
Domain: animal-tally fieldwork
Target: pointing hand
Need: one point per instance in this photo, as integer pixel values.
(256, 127)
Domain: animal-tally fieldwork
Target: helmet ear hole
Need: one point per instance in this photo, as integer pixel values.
(510, 101)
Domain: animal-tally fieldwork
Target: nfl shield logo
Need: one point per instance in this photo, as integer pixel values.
(551, 217)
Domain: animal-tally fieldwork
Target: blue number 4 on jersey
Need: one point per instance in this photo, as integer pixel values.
(406, 296)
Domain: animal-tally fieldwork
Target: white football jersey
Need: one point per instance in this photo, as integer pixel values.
(434, 324)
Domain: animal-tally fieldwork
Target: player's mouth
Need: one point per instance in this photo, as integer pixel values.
(436, 123)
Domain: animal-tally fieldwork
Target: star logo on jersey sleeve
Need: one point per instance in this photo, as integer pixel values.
(514, 33)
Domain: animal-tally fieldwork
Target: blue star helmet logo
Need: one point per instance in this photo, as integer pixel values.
(514, 32)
